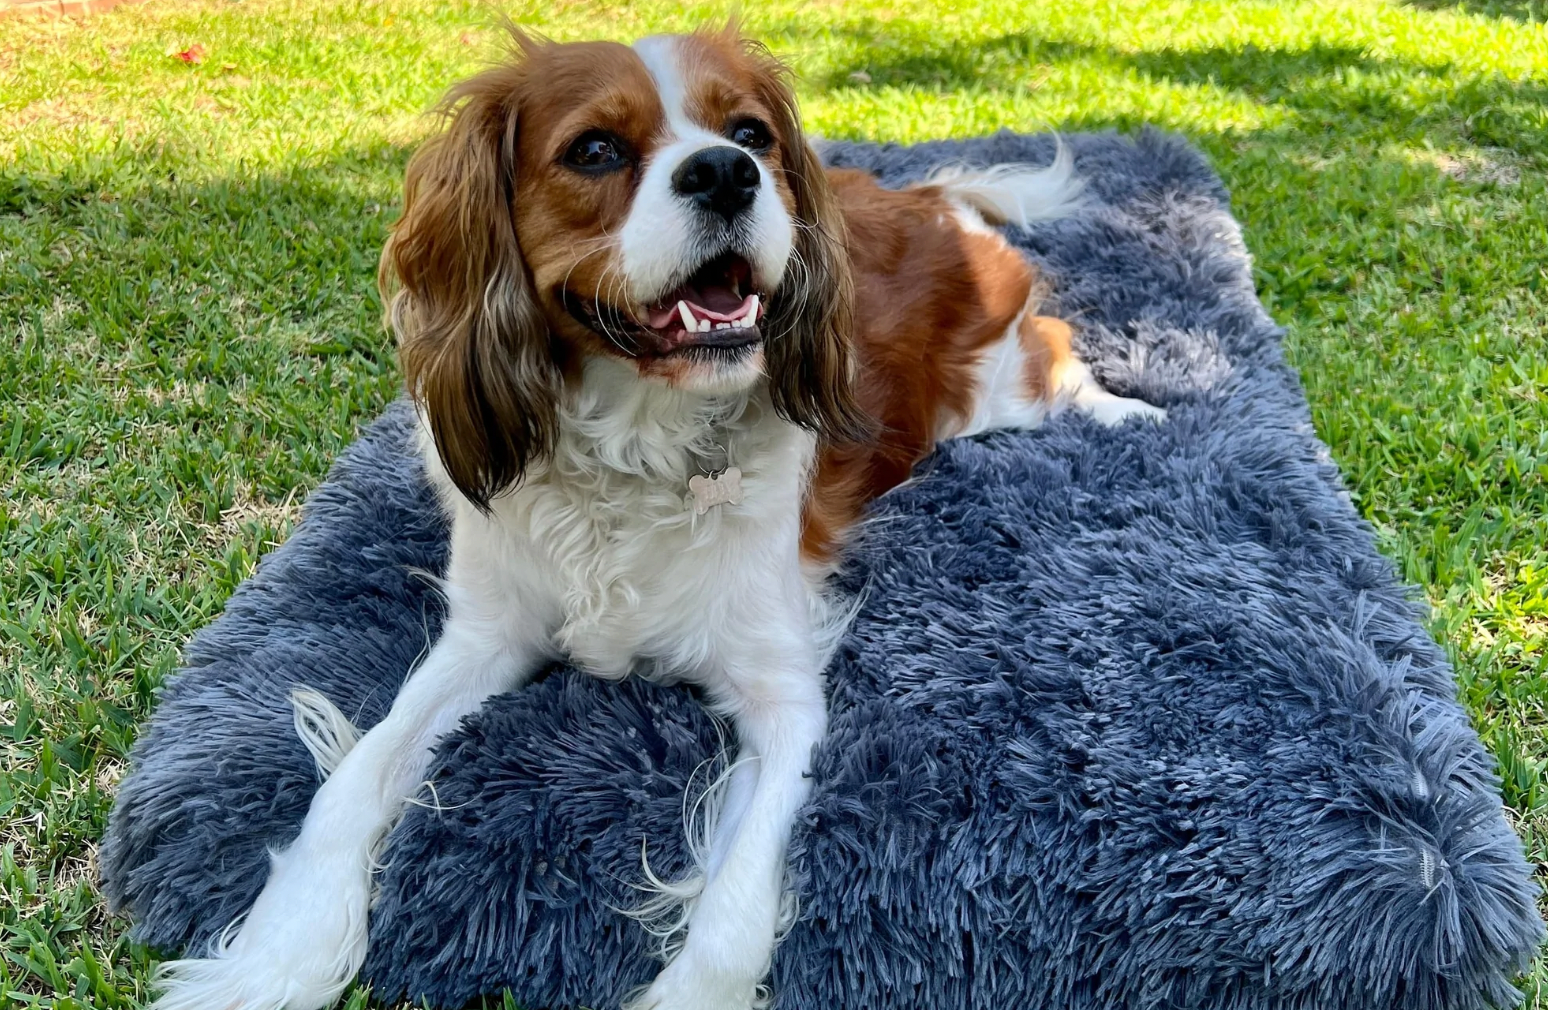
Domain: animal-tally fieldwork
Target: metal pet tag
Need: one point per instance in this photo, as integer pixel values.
(724, 487)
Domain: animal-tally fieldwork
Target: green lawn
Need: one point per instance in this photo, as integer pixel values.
(189, 329)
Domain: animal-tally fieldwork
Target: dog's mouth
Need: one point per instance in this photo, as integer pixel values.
(716, 311)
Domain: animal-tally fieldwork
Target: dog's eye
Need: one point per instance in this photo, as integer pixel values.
(751, 134)
(595, 151)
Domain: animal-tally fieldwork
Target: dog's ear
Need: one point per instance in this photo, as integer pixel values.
(476, 351)
(809, 342)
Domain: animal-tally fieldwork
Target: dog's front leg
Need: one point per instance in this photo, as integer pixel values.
(305, 937)
(771, 688)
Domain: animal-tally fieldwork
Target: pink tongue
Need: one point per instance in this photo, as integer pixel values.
(663, 317)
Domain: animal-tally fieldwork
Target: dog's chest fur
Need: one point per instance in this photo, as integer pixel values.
(606, 533)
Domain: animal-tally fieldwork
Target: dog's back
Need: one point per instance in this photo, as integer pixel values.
(948, 340)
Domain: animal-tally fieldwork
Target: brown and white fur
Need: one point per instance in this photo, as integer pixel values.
(582, 198)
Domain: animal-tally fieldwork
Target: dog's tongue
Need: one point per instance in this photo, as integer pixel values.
(717, 303)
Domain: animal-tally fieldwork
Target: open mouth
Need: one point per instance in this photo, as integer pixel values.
(716, 311)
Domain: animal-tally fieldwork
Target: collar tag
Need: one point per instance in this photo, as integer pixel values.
(723, 487)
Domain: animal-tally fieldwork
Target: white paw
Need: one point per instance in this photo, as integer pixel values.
(684, 985)
(1114, 410)
(298, 948)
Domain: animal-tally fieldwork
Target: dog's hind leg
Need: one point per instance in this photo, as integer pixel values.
(1032, 372)
(1055, 373)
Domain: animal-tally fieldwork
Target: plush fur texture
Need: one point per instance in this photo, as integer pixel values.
(1127, 718)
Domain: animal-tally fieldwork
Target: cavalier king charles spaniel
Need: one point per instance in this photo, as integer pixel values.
(662, 360)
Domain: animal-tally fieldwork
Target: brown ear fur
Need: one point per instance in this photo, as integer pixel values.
(474, 345)
(810, 327)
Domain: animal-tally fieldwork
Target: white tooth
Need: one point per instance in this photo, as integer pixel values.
(689, 323)
(722, 326)
(752, 311)
(704, 326)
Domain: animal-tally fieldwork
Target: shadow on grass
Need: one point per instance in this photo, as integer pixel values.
(236, 314)
(1516, 10)
(1331, 90)
(902, 57)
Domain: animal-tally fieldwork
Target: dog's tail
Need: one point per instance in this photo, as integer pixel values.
(1016, 193)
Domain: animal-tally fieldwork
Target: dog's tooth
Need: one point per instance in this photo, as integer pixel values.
(752, 311)
(704, 325)
(722, 326)
(689, 323)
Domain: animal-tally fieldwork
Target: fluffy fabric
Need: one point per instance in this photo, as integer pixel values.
(1128, 718)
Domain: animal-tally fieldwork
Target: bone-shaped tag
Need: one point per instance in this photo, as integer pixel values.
(724, 488)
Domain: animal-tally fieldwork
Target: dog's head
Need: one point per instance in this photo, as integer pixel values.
(656, 204)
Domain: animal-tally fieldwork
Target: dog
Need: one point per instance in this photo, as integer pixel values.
(662, 360)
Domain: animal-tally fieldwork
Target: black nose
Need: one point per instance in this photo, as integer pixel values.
(721, 179)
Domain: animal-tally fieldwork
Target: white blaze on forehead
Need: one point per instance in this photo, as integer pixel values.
(662, 56)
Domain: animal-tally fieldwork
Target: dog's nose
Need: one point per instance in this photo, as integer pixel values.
(721, 179)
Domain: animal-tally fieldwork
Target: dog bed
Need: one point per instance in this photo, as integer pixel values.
(1127, 718)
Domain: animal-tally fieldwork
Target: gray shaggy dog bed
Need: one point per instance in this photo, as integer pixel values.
(1128, 718)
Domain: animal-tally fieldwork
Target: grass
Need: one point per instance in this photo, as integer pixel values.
(189, 330)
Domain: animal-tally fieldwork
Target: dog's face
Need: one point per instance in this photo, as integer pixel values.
(656, 204)
(653, 207)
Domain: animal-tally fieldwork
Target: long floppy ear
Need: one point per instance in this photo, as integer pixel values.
(810, 327)
(476, 351)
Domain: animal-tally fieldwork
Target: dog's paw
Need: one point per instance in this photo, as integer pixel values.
(223, 983)
(1111, 410)
(685, 985)
(298, 948)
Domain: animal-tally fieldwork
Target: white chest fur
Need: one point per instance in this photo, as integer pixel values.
(600, 531)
